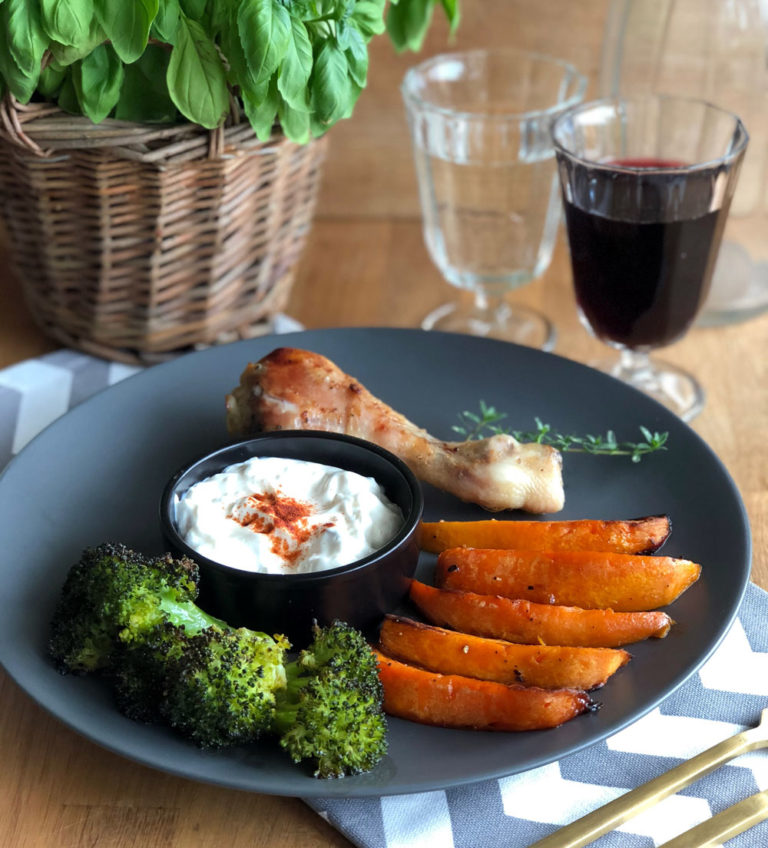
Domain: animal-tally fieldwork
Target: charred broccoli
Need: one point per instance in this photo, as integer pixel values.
(113, 596)
(216, 686)
(134, 620)
(221, 690)
(138, 675)
(330, 711)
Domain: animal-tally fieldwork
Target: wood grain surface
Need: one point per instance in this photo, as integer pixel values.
(365, 264)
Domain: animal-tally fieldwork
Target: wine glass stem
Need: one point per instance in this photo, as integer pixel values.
(489, 305)
(482, 300)
(634, 363)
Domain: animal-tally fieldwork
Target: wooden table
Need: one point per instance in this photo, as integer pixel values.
(365, 264)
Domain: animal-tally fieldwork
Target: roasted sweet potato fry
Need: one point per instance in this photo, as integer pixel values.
(530, 623)
(590, 579)
(635, 536)
(449, 652)
(450, 700)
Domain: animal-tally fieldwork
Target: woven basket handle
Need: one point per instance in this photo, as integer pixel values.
(12, 126)
(15, 116)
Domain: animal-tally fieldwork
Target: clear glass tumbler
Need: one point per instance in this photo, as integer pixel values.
(647, 187)
(480, 126)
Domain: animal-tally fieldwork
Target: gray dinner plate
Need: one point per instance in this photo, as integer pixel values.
(97, 473)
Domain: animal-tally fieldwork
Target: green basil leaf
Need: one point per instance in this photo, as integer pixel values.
(218, 15)
(20, 84)
(167, 21)
(342, 32)
(368, 16)
(67, 21)
(144, 97)
(194, 9)
(260, 105)
(452, 12)
(27, 39)
(68, 96)
(304, 10)
(265, 31)
(65, 54)
(50, 82)
(98, 79)
(317, 128)
(295, 122)
(408, 22)
(357, 56)
(355, 91)
(330, 85)
(127, 23)
(197, 81)
(239, 74)
(296, 67)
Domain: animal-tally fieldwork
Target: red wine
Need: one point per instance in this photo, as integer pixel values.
(647, 162)
(640, 283)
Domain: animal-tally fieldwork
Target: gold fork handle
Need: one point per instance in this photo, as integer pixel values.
(724, 825)
(614, 813)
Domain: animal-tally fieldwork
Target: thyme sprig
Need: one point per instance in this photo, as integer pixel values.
(476, 425)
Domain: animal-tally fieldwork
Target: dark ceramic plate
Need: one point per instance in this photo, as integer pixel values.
(97, 473)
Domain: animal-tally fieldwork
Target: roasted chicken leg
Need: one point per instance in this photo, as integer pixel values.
(292, 389)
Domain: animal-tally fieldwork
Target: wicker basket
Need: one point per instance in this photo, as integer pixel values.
(139, 242)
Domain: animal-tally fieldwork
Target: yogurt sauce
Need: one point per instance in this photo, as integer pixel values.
(286, 516)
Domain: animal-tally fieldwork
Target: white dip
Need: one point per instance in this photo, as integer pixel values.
(286, 516)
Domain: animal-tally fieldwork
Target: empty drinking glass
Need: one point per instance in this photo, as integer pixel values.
(480, 126)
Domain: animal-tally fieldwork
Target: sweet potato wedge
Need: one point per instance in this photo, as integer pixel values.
(449, 652)
(635, 536)
(450, 700)
(523, 621)
(590, 579)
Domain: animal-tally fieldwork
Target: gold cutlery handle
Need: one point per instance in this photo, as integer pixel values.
(614, 813)
(724, 825)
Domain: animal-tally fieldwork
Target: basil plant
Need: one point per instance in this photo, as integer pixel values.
(302, 63)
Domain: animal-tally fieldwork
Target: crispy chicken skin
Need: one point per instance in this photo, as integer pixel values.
(291, 389)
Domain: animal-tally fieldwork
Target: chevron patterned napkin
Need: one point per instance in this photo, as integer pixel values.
(724, 697)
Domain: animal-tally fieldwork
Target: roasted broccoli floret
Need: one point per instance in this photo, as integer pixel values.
(139, 671)
(134, 620)
(221, 690)
(330, 711)
(112, 596)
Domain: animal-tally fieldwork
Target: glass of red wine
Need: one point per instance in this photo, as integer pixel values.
(647, 184)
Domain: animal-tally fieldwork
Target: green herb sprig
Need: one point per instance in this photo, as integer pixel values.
(476, 425)
(302, 63)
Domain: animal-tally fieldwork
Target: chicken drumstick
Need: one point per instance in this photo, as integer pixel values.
(291, 389)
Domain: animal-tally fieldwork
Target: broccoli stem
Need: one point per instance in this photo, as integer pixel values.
(187, 615)
(287, 698)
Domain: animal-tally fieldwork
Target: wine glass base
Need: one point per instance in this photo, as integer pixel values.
(517, 324)
(671, 386)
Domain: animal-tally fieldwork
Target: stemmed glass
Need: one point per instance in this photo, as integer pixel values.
(647, 184)
(480, 127)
